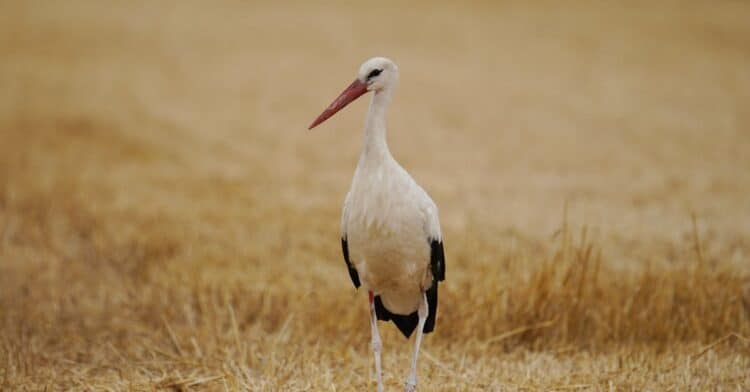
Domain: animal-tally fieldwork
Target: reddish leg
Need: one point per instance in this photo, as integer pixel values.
(423, 312)
(376, 343)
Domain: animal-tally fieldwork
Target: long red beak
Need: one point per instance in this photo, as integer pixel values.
(354, 91)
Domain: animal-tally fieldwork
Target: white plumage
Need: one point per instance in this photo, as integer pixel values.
(390, 229)
(387, 220)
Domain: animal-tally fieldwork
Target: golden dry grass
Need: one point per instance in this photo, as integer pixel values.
(167, 223)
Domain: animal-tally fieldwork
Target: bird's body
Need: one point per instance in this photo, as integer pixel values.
(390, 232)
(385, 222)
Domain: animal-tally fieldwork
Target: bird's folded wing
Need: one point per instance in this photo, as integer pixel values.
(345, 245)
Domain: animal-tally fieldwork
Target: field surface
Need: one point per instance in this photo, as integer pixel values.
(167, 221)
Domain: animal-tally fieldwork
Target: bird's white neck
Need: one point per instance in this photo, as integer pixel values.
(374, 145)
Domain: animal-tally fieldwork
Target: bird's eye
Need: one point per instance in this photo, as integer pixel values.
(374, 73)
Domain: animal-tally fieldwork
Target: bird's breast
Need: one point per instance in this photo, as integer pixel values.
(387, 242)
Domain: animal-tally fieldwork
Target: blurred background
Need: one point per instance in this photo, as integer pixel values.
(167, 221)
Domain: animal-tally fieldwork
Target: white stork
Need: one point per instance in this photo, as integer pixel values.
(390, 232)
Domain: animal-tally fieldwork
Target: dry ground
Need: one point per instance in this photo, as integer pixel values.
(166, 221)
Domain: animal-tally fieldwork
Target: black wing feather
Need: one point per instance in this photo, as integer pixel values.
(437, 264)
(432, 302)
(437, 260)
(352, 271)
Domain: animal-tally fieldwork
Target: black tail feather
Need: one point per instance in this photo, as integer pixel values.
(408, 323)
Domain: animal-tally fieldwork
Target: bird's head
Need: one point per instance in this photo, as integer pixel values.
(377, 74)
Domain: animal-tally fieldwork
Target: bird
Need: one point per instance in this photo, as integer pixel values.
(390, 231)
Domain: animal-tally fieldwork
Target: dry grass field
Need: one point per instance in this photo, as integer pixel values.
(167, 221)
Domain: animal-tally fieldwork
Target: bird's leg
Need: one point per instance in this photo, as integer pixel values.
(376, 343)
(423, 312)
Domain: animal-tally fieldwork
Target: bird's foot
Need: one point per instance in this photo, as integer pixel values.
(380, 384)
(411, 384)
